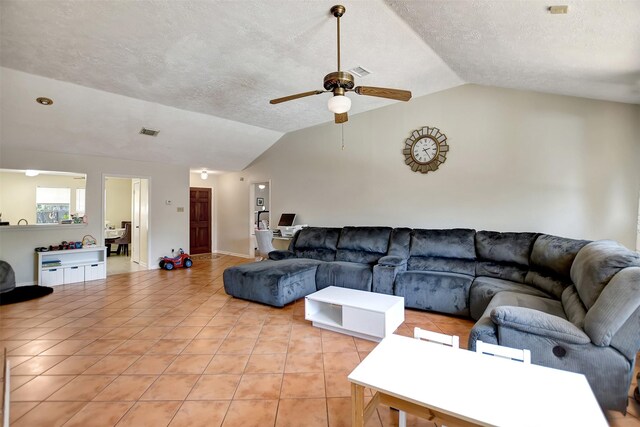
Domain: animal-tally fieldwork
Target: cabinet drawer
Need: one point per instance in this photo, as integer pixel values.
(73, 275)
(51, 277)
(94, 272)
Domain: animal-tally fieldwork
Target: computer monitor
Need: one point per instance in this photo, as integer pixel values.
(286, 220)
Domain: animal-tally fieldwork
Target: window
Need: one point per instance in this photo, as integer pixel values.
(52, 205)
(80, 194)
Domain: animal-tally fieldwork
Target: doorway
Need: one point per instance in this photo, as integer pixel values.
(126, 223)
(199, 220)
(260, 215)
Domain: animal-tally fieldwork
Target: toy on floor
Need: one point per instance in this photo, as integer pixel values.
(182, 260)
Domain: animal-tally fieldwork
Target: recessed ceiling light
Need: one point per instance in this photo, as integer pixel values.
(44, 101)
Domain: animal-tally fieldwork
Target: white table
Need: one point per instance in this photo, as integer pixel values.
(111, 233)
(363, 314)
(463, 388)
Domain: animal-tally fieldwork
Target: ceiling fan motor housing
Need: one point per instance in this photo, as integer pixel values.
(339, 79)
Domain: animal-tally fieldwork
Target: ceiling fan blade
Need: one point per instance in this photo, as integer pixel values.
(383, 92)
(296, 96)
(341, 118)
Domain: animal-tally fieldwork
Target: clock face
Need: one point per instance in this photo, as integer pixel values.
(425, 150)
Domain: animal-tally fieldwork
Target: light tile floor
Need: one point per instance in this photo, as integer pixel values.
(171, 348)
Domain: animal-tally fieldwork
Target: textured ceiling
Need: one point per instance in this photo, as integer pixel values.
(592, 52)
(203, 71)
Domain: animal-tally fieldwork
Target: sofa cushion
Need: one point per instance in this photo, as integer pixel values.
(615, 305)
(454, 243)
(272, 282)
(503, 255)
(551, 285)
(595, 264)
(363, 244)
(400, 242)
(550, 263)
(450, 265)
(512, 248)
(554, 255)
(318, 243)
(486, 330)
(434, 291)
(483, 289)
(344, 274)
(573, 307)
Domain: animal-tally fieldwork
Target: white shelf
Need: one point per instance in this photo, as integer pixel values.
(76, 265)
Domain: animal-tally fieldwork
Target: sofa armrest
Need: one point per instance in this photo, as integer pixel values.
(392, 261)
(279, 255)
(539, 323)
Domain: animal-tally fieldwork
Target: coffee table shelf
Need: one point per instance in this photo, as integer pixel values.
(361, 314)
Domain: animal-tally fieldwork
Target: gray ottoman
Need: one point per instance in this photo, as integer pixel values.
(274, 283)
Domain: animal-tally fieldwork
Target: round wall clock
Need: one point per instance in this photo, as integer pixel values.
(425, 150)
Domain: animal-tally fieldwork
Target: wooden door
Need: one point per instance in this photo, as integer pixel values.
(199, 221)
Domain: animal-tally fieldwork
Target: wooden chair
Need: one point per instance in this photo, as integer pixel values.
(124, 241)
(433, 337)
(504, 352)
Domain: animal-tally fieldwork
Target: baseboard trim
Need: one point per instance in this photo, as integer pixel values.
(233, 254)
(26, 284)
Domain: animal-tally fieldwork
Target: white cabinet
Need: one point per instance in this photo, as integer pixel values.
(71, 266)
(362, 314)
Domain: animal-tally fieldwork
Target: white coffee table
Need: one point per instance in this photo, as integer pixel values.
(362, 314)
(464, 388)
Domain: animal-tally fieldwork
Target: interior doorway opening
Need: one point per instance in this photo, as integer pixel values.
(126, 223)
(260, 213)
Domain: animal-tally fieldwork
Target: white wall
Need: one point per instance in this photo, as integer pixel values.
(211, 182)
(519, 161)
(118, 203)
(167, 227)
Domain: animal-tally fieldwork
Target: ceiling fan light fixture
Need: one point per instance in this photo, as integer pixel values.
(204, 174)
(339, 104)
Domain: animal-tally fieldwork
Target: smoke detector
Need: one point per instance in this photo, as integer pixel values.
(150, 132)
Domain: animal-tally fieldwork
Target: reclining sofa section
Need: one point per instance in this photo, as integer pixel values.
(575, 304)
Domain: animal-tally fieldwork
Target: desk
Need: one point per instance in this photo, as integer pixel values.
(464, 388)
(281, 243)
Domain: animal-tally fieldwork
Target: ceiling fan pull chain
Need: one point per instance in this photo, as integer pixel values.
(342, 131)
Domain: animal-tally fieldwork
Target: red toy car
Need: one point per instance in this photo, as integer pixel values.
(182, 260)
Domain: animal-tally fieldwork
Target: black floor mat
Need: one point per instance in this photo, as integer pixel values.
(24, 293)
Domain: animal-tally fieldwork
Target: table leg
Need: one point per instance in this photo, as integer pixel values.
(357, 405)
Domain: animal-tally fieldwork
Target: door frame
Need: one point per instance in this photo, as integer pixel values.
(103, 189)
(252, 198)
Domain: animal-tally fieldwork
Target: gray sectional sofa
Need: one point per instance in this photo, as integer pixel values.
(575, 304)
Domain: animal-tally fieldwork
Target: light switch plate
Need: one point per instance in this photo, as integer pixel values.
(180, 209)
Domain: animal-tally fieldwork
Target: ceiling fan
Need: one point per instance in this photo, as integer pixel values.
(340, 82)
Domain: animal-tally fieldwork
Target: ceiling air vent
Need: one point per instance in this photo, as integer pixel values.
(360, 71)
(150, 132)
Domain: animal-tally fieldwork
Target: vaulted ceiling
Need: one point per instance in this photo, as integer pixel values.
(202, 72)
